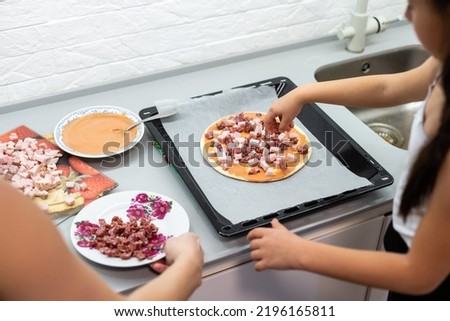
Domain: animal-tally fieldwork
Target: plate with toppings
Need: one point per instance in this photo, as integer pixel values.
(239, 147)
(98, 131)
(127, 229)
(61, 184)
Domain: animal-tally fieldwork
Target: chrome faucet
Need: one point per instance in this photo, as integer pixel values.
(359, 26)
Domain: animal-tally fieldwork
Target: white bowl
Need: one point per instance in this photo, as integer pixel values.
(96, 110)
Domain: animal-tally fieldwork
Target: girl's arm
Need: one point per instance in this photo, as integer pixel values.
(367, 91)
(419, 271)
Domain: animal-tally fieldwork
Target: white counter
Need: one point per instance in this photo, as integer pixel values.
(297, 62)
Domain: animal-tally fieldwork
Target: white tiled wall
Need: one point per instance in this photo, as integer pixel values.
(49, 46)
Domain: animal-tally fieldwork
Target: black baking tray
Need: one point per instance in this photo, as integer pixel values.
(333, 137)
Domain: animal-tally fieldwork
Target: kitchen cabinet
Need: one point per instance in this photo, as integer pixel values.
(244, 283)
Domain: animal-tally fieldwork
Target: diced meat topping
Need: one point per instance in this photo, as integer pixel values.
(246, 141)
(253, 171)
(30, 166)
(137, 238)
(303, 149)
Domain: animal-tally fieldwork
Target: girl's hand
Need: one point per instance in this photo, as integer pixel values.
(274, 248)
(183, 248)
(280, 116)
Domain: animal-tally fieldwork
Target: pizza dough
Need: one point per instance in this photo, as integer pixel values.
(238, 146)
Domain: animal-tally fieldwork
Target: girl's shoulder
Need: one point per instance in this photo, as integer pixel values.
(431, 67)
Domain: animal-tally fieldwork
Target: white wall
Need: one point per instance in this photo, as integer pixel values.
(49, 46)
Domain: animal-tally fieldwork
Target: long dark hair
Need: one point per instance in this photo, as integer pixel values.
(427, 166)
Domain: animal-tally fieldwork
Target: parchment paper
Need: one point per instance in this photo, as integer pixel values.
(238, 200)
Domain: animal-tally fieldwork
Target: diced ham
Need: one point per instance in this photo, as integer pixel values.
(259, 128)
(13, 136)
(253, 162)
(253, 171)
(209, 135)
(251, 154)
(237, 156)
(241, 140)
(274, 149)
(303, 149)
(222, 138)
(30, 168)
(281, 136)
(263, 164)
(272, 157)
(290, 157)
(69, 200)
(253, 142)
(281, 163)
(229, 161)
(229, 122)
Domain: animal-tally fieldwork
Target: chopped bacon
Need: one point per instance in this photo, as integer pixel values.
(209, 135)
(303, 149)
(221, 125)
(253, 171)
(253, 161)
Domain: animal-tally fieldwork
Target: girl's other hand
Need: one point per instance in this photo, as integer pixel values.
(274, 248)
(183, 248)
(280, 116)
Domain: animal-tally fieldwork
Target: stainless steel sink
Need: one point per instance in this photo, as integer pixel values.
(393, 124)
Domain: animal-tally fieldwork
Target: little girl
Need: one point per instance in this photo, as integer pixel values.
(416, 265)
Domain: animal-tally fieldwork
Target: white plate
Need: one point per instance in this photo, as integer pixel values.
(95, 110)
(175, 222)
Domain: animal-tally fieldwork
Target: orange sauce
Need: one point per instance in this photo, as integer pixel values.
(98, 133)
(242, 171)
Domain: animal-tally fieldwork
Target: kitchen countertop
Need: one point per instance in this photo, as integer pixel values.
(297, 62)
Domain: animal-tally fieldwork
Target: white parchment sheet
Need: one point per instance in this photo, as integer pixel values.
(238, 200)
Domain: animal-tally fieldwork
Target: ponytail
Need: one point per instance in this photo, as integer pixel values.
(426, 168)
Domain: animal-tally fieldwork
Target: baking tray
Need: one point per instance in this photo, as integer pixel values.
(320, 124)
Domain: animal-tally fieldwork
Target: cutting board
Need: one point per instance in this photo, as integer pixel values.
(86, 183)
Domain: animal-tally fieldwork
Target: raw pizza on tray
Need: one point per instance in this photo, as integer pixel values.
(239, 147)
